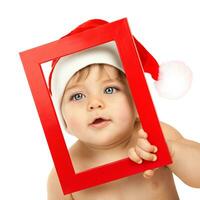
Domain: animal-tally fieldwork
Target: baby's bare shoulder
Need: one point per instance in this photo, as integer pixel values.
(53, 186)
(170, 132)
(54, 190)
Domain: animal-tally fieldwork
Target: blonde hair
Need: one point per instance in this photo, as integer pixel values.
(84, 73)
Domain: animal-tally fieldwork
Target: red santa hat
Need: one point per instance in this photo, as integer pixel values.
(172, 80)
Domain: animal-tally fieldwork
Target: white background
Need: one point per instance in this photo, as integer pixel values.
(168, 29)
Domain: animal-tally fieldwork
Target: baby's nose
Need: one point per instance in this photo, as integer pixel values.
(95, 104)
(93, 107)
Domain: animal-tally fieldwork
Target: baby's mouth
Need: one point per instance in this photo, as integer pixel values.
(100, 122)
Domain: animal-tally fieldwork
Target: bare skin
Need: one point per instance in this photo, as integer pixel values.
(134, 187)
(121, 137)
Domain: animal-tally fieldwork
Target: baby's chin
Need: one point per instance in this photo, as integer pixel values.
(109, 142)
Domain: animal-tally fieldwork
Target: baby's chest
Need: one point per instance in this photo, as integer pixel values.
(129, 188)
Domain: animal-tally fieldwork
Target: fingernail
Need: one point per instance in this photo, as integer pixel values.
(140, 162)
(154, 157)
(155, 149)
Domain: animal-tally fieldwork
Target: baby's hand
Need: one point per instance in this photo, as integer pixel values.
(143, 150)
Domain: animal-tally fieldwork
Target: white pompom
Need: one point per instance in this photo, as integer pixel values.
(174, 80)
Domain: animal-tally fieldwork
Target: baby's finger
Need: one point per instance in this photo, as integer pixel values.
(142, 133)
(146, 146)
(148, 174)
(133, 156)
(145, 155)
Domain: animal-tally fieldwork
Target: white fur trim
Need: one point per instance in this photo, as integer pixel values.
(67, 66)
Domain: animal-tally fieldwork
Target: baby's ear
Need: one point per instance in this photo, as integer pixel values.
(136, 114)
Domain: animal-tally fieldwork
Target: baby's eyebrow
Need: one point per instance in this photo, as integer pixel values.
(73, 87)
(111, 80)
(81, 85)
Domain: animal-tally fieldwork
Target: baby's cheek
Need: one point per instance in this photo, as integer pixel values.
(72, 122)
(125, 111)
(124, 115)
(75, 123)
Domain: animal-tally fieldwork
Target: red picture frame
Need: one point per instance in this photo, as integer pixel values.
(120, 33)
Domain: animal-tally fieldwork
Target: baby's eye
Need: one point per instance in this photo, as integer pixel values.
(77, 96)
(110, 90)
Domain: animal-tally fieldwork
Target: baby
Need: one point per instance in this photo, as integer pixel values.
(93, 102)
(96, 106)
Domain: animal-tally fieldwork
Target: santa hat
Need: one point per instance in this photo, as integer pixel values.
(172, 80)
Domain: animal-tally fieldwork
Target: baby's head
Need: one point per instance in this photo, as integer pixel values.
(96, 105)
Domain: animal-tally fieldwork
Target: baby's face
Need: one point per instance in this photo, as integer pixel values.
(99, 110)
